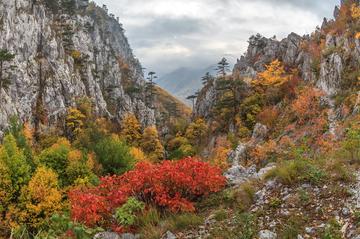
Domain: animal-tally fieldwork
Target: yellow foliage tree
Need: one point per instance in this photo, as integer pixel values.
(355, 11)
(40, 199)
(219, 155)
(78, 166)
(274, 75)
(6, 189)
(131, 129)
(151, 144)
(28, 133)
(138, 154)
(196, 131)
(75, 120)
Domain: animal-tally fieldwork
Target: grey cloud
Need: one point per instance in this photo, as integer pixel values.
(165, 37)
(165, 28)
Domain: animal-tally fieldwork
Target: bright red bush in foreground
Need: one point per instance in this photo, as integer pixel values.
(172, 185)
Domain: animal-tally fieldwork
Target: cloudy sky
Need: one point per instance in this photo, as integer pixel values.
(168, 34)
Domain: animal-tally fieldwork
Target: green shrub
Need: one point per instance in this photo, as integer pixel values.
(350, 147)
(225, 197)
(292, 228)
(126, 214)
(250, 108)
(13, 159)
(221, 215)
(184, 222)
(357, 217)
(246, 227)
(60, 225)
(275, 202)
(150, 217)
(17, 130)
(151, 232)
(332, 230)
(56, 158)
(298, 170)
(303, 196)
(114, 155)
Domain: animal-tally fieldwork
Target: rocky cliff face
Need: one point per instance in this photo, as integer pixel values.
(63, 53)
(262, 51)
(328, 66)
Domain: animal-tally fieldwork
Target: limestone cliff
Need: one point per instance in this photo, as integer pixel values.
(64, 51)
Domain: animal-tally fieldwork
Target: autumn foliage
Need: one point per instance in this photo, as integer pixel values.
(170, 185)
(307, 104)
(274, 75)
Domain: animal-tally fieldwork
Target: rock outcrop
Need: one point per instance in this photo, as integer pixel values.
(262, 51)
(63, 53)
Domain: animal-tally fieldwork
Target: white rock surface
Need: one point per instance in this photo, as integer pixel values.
(35, 35)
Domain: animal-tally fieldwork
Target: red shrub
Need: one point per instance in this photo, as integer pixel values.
(172, 185)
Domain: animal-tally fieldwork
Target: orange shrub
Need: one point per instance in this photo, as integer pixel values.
(268, 116)
(307, 104)
(219, 155)
(261, 153)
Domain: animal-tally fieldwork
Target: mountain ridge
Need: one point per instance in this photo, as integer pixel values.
(184, 81)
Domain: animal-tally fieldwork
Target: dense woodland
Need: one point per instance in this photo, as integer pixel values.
(94, 174)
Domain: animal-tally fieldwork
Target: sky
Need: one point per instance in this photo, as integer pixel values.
(168, 34)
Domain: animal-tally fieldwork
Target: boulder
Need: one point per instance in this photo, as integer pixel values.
(259, 133)
(266, 234)
(237, 155)
(107, 235)
(169, 235)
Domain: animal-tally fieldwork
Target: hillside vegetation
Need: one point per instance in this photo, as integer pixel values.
(271, 150)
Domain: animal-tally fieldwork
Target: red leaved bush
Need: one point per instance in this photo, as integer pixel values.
(172, 185)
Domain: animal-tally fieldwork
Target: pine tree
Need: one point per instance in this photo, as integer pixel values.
(230, 92)
(192, 99)
(207, 78)
(223, 68)
(150, 88)
(5, 58)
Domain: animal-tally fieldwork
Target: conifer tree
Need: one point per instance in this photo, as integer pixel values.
(150, 88)
(223, 68)
(192, 99)
(207, 78)
(230, 91)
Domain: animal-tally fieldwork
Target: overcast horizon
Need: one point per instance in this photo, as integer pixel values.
(198, 33)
